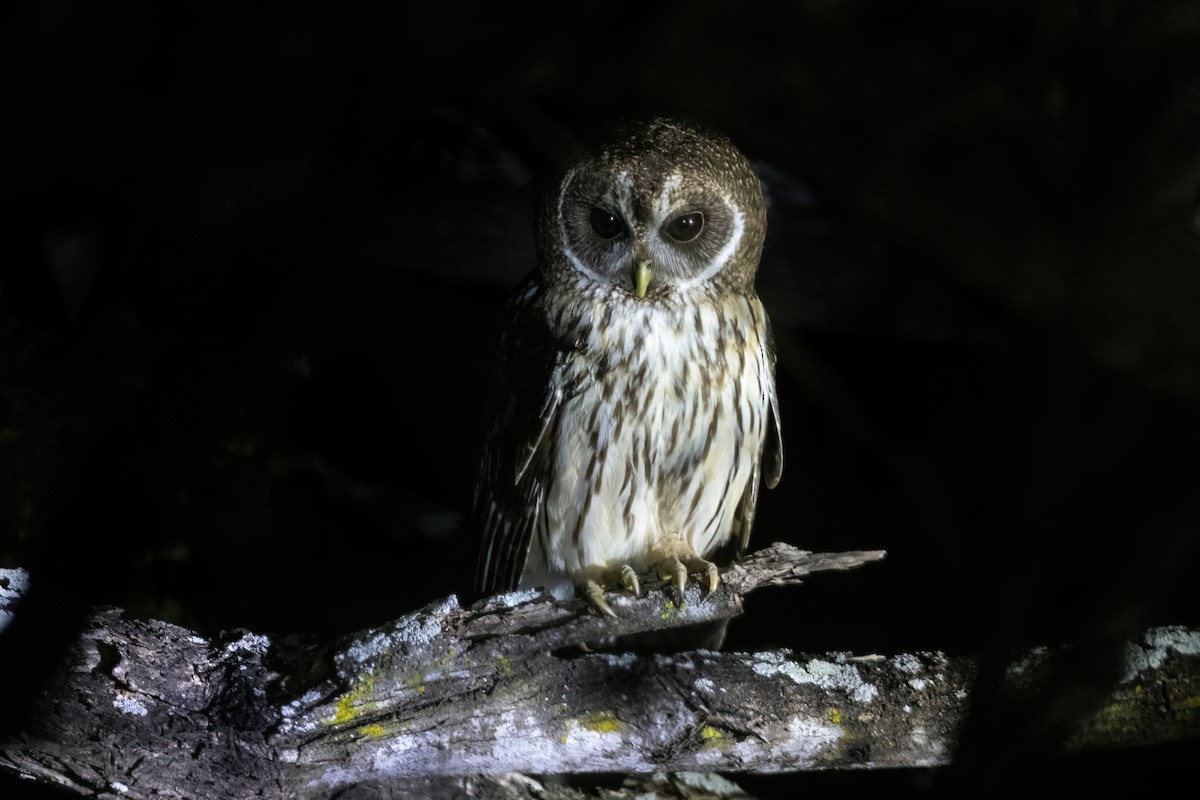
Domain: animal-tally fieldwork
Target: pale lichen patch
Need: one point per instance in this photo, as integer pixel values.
(623, 660)
(13, 584)
(907, 663)
(370, 648)
(413, 631)
(509, 741)
(514, 738)
(1156, 645)
(748, 751)
(910, 664)
(512, 599)
(127, 703)
(589, 745)
(843, 677)
(295, 714)
(335, 776)
(308, 699)
(805, 743)
(253, 643)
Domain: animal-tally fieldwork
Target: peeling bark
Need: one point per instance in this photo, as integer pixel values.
(450, 701)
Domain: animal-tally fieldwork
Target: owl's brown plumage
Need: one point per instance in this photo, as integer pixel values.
(635, 413)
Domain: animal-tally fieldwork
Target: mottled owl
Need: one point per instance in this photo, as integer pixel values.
(634, 415)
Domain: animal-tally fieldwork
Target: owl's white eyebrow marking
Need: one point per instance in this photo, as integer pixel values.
(624, 196)
(664, 197)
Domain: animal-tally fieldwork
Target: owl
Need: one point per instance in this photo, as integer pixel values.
(634, 416)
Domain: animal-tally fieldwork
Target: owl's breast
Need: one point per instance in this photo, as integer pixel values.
(662, 432)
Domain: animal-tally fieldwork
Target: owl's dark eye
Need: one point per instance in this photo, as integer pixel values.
(685, 227)
(605, 223)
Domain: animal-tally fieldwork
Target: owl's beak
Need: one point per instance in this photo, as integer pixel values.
(641, 277)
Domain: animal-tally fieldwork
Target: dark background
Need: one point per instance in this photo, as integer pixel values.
(252, 256)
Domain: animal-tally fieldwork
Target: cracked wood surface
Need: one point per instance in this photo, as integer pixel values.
(448, 700)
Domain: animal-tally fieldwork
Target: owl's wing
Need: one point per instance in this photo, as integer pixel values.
(769, 467)
(511, 485)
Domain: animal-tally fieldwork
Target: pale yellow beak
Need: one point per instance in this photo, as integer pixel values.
(641, 277)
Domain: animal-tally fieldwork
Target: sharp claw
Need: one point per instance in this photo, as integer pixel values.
(679, 576)
(630, 579)
(595, 596)
(672, 570)
(714, 577)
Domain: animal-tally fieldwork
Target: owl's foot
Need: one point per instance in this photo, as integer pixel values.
(672, 565)
(592, 580)
(675, 568)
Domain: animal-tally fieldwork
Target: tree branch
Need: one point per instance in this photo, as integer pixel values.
(450, 696)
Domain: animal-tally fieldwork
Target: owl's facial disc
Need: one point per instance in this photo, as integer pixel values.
(646, 235)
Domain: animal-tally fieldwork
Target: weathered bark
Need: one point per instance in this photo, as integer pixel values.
(451, 700)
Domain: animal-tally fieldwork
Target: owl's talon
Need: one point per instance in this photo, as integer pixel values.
(695, 563)
(672, 570)
(594, 593)
(630, 579)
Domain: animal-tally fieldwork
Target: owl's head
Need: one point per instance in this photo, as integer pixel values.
(658, 207)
